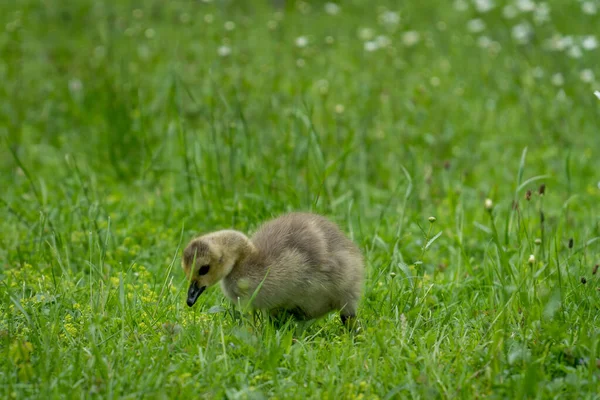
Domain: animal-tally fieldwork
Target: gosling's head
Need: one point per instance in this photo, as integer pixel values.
(205, 262)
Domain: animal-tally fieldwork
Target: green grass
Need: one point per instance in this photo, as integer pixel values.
(126, 129)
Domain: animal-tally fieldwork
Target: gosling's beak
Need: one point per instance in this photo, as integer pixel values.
(194, 292)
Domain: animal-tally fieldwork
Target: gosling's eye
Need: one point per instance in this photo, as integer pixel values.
(203, 270)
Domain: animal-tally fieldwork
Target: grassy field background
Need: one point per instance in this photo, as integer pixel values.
(128, 127)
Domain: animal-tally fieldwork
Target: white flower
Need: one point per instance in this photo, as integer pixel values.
(301, 41)
(561, 95)
(460, 5)
(557, 79)
(541, 13)
(332, 8)
(564, 42)
(300, 63)
(339, 108)
(475, 25)
(229, 25)
(484, 42)
(370, 46)
(484, 6)
(531, 259)
(224, 51)
(208, 18)
(597, 94)
(149, 33)
(587, 75)
(389, 18)
(522, 32)
(410, 38)
(75, 85)
(575, 52)
(510, 12)
(589, 8)
(489, 204)
(366, 34)
(525, 5)
(589, 42)
(323, 86)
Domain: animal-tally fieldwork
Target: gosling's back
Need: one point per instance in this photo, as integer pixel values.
(308, 265)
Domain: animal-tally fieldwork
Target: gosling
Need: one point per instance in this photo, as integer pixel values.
(299, 263)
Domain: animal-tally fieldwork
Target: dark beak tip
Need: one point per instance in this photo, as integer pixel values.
(193, 293)
(191, 300)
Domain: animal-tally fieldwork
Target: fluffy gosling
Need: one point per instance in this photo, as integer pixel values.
(300, 263)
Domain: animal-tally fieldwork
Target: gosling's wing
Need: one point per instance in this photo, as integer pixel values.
(299, 233)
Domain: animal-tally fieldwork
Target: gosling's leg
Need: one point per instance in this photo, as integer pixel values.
(347, 319)
(348, 315)
(281, 317)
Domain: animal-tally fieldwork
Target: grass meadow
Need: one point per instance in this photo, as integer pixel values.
(128, 127)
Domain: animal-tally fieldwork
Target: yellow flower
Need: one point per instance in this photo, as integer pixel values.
(20, 354)
(147, 299)
(70, 328)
